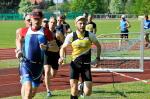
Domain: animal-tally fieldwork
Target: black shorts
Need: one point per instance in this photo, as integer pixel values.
(124, 34)
(78, 68)
(51, 58)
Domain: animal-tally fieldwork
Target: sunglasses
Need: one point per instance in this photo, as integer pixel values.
(28, 20)
(45, 21)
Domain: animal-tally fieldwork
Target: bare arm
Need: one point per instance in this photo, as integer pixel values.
(98, 46)
(62, 53)
(128, 24)
(19, 41)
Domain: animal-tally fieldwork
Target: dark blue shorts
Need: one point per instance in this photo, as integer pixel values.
(31, 72)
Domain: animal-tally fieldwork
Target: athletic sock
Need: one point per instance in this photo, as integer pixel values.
(73, 97)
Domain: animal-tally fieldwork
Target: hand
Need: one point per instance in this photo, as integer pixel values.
(52, 46)
(19, 53)
(60, 61)
(96, 63)
(42, 46)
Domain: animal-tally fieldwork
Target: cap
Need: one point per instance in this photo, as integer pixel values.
(36, 13)
(79, 18)
(123, 16)
(27, 17)
(45, 20)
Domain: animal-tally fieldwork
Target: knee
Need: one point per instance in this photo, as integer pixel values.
(87, 88)
(88, 92)
(53, 75)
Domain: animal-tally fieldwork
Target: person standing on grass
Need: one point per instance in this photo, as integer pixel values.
(91, 26)
(124, 25)
(147, 30)
(31, 55)
(52, 55)
(81, 41)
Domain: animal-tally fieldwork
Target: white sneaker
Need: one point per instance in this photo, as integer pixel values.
(80, 89)
(49, 94)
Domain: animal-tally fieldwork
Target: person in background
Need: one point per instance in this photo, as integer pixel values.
(27, 24)
(124, 25)
(45, 23)
(85, 14)
(147, 30)
(60, 27)
(66, 25)
(81, 41)
(91, 26)
(52, 55)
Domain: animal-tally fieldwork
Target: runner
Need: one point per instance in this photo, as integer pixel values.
(52, 55)
(31, 65)
(80, 40)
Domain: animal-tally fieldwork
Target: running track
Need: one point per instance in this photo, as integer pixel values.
(10, 86)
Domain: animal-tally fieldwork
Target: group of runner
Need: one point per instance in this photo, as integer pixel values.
(41, 45)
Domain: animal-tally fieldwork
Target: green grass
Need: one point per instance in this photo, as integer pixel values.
(8, 33)
(10, 63)
(131, 90)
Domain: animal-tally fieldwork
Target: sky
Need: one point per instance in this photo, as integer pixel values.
(59, 1)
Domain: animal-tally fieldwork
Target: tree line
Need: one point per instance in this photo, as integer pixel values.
(91, 6)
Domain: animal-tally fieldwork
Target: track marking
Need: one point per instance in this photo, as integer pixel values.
(127, 76)
(15, 83)
(8, 74)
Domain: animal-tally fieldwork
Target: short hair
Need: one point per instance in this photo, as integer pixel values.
(146, 16)
(37, 13)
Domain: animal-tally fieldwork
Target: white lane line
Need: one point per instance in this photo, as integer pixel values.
(9, 74)
(15, 83)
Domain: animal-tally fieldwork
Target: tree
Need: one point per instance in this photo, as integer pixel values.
(25, 7)
(83, 5)
(116, 6)
(138, 6)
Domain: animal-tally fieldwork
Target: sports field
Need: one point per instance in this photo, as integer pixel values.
(111, 86)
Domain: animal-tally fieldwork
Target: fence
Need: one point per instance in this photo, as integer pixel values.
(69, 15)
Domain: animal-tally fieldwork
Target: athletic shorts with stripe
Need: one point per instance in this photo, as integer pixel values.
(30, 72)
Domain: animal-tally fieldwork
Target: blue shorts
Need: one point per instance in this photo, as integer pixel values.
(30, 72)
